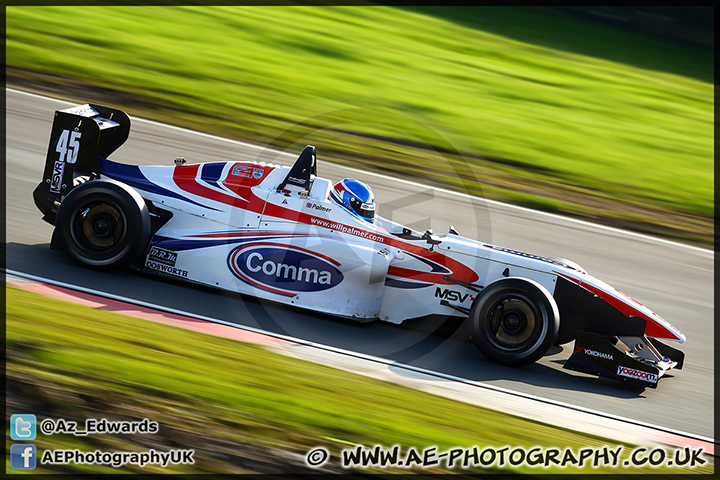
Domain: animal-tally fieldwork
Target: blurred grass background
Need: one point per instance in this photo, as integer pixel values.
(548, 112)
(242, 408)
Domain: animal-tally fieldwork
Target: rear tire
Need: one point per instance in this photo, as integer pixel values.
(514, 321)
(103, 224)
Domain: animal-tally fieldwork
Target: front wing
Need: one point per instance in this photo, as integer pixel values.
(634, 360)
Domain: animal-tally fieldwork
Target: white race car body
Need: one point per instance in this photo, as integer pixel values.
(233, 230)
(272, 232)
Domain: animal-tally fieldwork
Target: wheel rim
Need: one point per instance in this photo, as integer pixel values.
(512, 322)
(98, 228)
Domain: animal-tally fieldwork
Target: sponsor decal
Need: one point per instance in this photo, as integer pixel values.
(284, 202)
(452, 295)
(82, 111)
(57, 174)
(315, 206)
(240, 171)
(163, 256)
(161, 267)
(258, 172)
(595, 353)
(348, 229)
(283, 269)
(637, 374)
(105, 123)
(297, 181)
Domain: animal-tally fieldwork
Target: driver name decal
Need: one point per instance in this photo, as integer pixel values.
(283, 269)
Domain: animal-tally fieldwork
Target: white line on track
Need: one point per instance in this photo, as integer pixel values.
(704, 251)
(370, 358)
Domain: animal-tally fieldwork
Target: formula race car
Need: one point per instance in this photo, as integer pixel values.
(284, 234)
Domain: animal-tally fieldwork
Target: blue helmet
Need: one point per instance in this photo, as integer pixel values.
(356, 197)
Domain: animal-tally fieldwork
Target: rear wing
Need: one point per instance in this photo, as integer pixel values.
(80, 135)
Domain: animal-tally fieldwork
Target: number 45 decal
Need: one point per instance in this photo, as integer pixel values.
(68, 146)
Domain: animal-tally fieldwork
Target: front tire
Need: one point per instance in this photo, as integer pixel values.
(514, 321)
(103, 224)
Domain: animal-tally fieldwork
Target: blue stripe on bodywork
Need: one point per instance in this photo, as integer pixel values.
(211, 173)
(179, 244)
(131, 175)
(394, 282)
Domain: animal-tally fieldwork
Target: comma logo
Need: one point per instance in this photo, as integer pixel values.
(284, 270)
(291, 272)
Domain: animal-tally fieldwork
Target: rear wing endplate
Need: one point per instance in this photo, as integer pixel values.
(79, 136)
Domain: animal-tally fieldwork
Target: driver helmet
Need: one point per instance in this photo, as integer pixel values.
(355, 197)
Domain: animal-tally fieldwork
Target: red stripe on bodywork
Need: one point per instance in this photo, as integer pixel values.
(246, 234)
(653, 328)
(238, 183)
(458, 270)
(185, 177)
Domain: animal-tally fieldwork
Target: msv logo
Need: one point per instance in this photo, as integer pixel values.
(284, 269)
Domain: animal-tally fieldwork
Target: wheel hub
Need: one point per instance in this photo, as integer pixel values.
(102, 225)
(512, 323)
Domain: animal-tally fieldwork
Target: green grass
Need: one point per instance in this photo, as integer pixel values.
(590, 119)
(218, 396)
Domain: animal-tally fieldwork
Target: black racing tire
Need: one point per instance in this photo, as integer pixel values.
(514, 321)
(103, 224)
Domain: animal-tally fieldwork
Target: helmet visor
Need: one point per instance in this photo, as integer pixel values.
(366, 210)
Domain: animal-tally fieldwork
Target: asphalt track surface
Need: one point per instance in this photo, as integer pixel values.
(674, 280)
